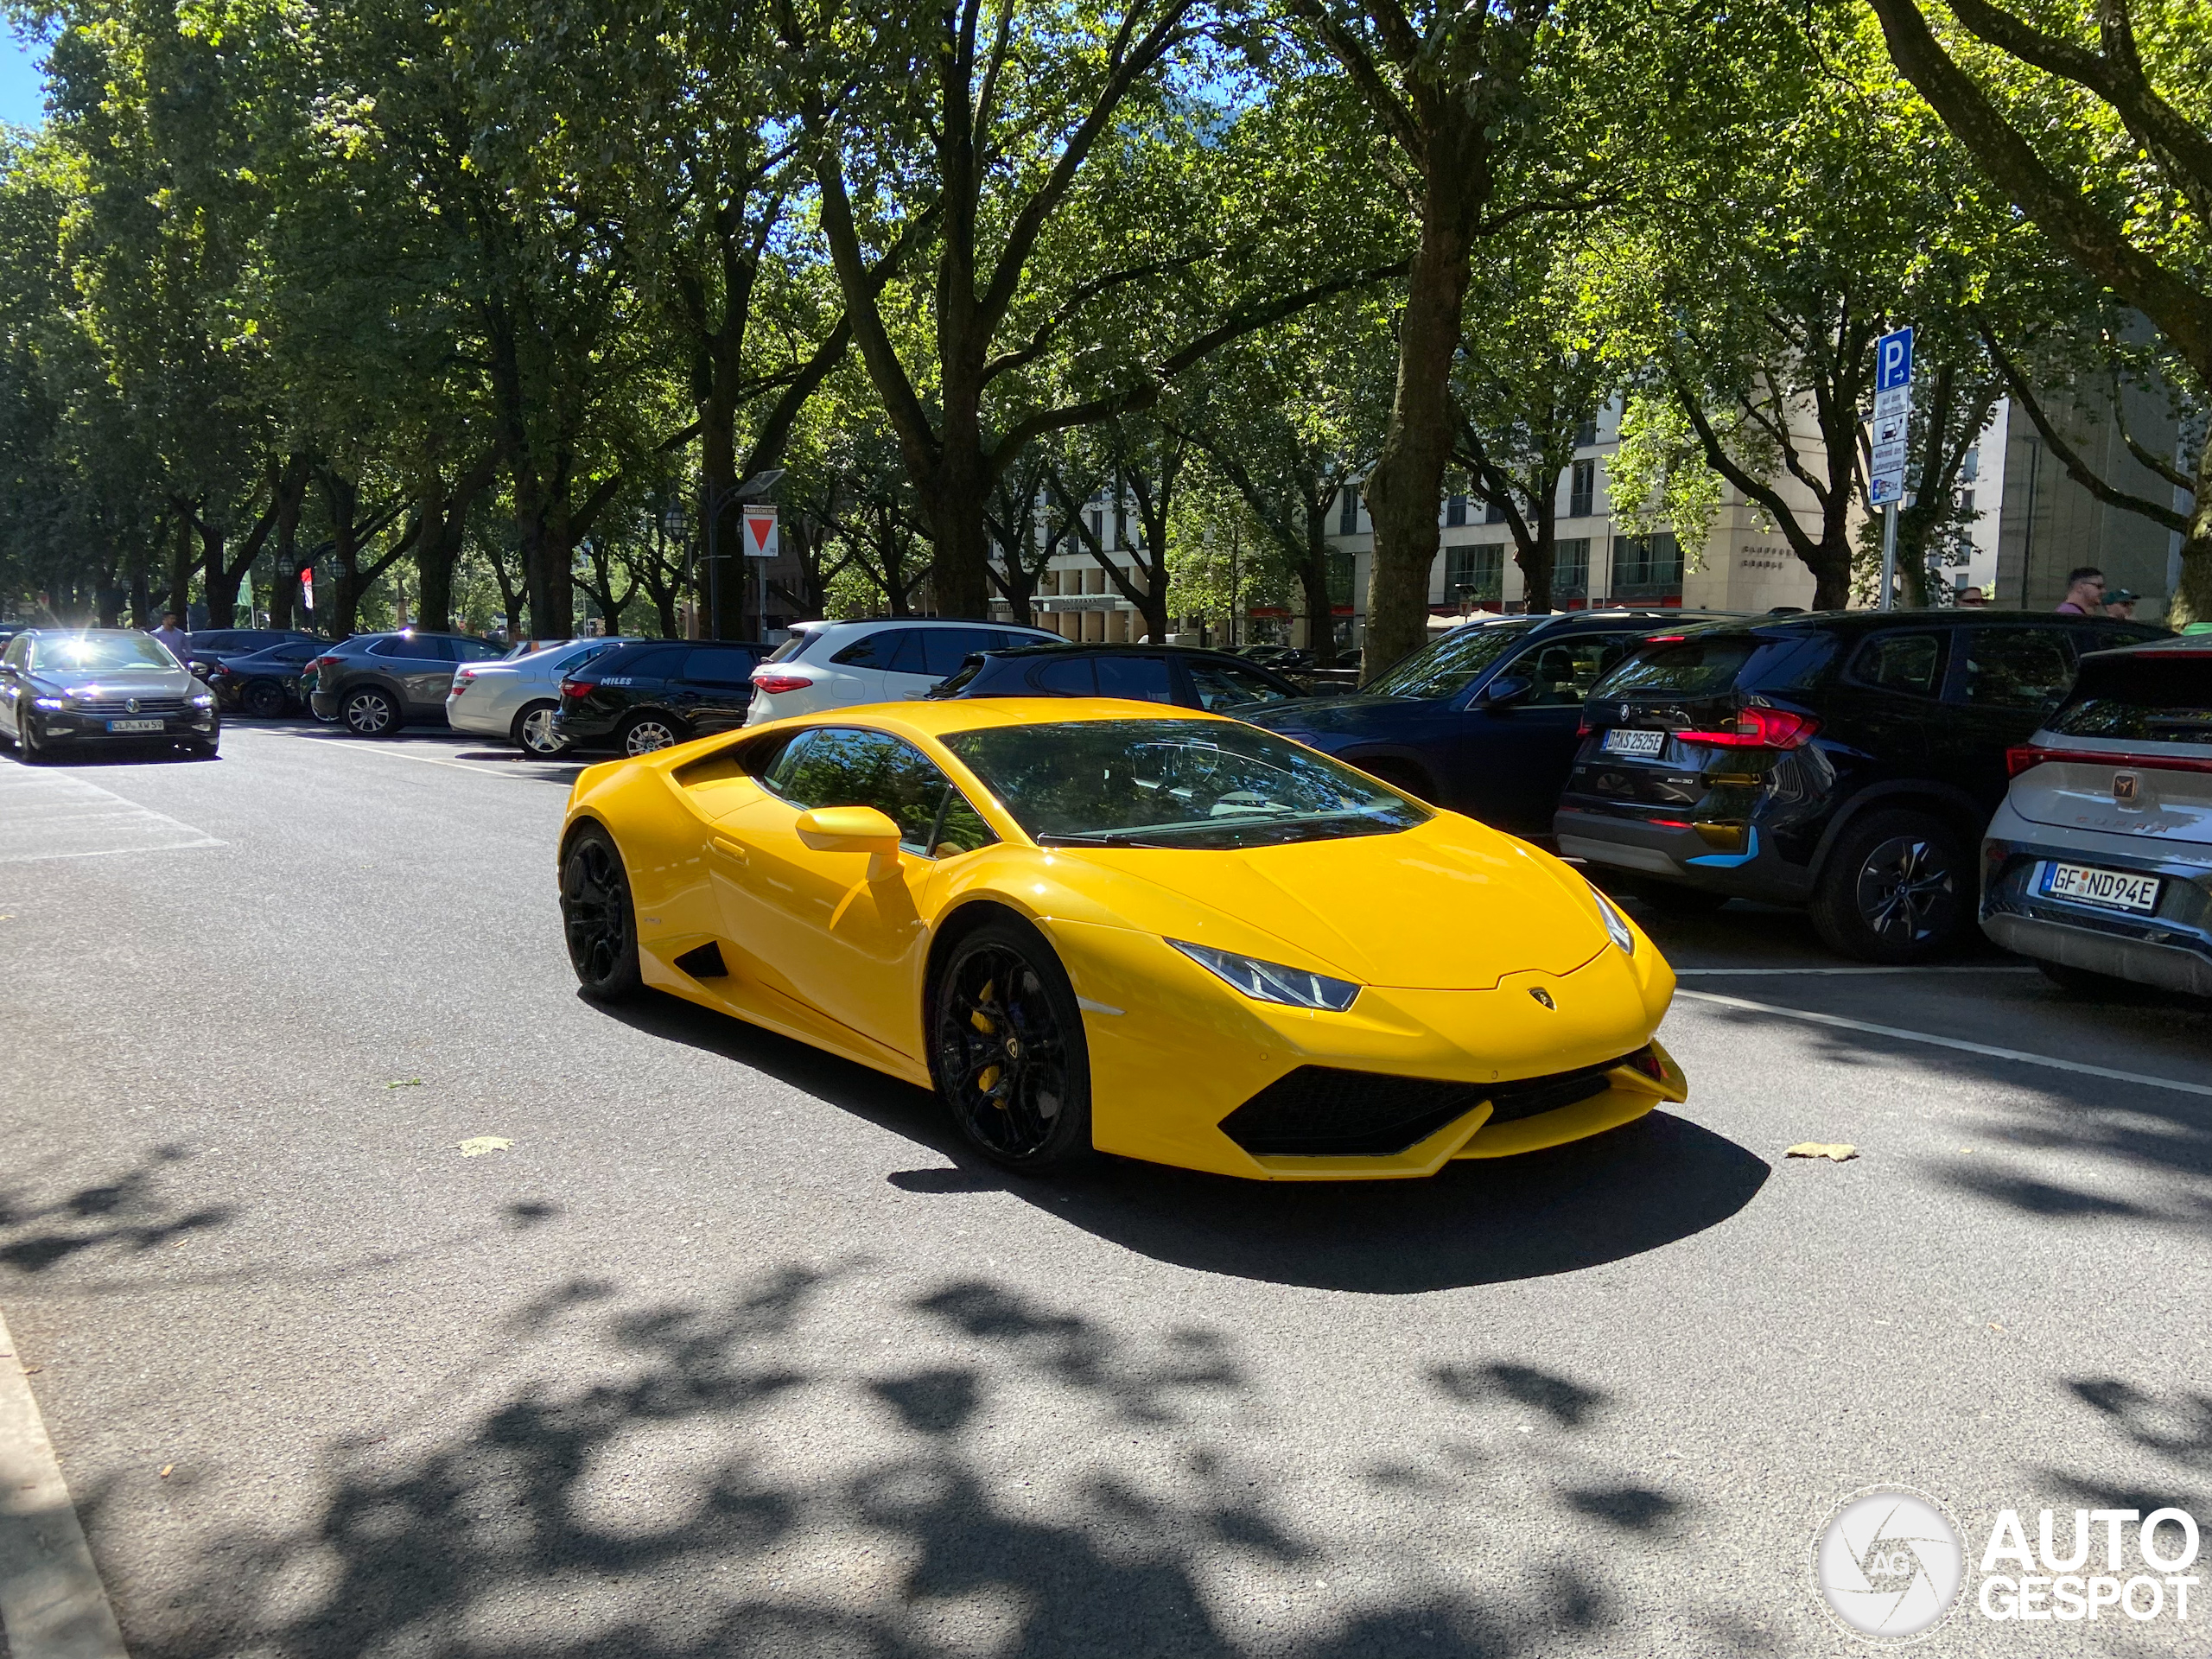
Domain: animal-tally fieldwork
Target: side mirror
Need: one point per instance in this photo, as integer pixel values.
(853, 830)
(1508, 690)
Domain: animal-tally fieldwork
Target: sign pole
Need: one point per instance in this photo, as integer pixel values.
(1892, 427)
(1889, 557)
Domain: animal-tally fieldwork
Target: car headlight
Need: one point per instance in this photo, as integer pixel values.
(49, 702)
(1270, 981)
(1616, 927)
(204, 700)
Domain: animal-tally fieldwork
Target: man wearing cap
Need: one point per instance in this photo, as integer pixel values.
(2121, 603)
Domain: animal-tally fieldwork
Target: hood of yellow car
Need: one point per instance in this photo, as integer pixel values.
(1447, 905)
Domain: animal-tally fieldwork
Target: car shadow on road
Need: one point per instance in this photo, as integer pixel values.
(1482, 1222)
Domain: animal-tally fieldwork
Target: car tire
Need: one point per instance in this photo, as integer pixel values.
(644, 734)
(1895, 890)
(369, 711)
(35, 753)
(532, 731)
(1007, 1051)
(263, 699)
(599, 919)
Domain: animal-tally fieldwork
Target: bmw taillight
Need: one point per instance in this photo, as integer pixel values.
(772, 682)
(1761, 728)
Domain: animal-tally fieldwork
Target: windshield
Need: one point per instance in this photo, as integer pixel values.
(1447, 666)
(1175, 783)
(95, 652)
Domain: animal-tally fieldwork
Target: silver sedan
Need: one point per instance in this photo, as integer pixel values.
(515, 698)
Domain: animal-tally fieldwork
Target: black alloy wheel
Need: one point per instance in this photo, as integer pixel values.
(533, 731)
(1892, 890)
(646, 732)
(1007, 1050)
(35, 751)
(263, 699)
(597, 919)
(369, 712)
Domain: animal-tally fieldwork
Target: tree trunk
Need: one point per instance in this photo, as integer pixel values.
(1407, 481)
(179, 603)
(2192, 600)
(1313, 584)
(436, 553)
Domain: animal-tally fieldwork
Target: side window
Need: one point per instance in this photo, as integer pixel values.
(718, 665)
(1565, 670)
(1143, 679)
(664, 664)
(842, 766)
(395, 646)
(1219, 686)
(1075, 676)
(901, 652)
(960, 830)
(474, 650)
(19, 653)
(871, 649)
(1910, 662)
(2016, 668)
(579, 657)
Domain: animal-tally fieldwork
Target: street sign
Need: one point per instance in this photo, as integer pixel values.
(759, 532)
(1892, 418)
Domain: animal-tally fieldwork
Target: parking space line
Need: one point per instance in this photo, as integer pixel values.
(357, 747)
(1846, 973)
(48, 815)
(53, 1604)
(1991, 1051)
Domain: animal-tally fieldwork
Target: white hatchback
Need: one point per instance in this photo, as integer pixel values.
(515, 698)
(837, 664)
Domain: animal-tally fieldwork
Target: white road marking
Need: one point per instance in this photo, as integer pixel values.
(1993, 1052)
(55, 814)
(371, 746)
(53, 1604)
(1841, 973)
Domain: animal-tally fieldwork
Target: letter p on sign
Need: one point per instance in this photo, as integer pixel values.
(1893, 360)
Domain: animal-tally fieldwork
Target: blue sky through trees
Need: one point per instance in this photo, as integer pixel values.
(23, 99)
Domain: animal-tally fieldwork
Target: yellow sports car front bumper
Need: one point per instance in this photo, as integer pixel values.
(1186, 1070)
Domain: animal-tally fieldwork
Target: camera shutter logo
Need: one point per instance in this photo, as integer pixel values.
(1888, 1563)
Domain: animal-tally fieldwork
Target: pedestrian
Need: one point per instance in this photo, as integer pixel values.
(174, 638)
(1971, 597)
(2085, 593)
(2122, 604)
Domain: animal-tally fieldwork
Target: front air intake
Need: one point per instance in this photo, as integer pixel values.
(1324, 1111)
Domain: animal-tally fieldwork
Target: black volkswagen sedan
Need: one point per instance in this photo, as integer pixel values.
(64, 691)
(1483, 718)
(642, 698)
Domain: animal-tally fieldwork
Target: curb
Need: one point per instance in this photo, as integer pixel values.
(52, 1603)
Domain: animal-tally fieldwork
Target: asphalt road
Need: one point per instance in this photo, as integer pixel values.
(733, 1353)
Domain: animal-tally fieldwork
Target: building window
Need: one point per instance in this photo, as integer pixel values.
(1570, 569)
(1341, 565)
(1587, 432)
(1493, 513)
(1475, 573)
(1970, 467)
(1647, 568)
(1348, 512)
(1582, 489)
(1097, 523)
(1455, 512)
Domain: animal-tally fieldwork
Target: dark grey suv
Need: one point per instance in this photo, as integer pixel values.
(376, 682)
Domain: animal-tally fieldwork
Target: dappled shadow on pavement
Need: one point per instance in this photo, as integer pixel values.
(124, 1211)
(682, 1480)
(1480, 1221)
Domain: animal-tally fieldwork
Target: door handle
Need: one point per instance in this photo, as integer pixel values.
(729, 850)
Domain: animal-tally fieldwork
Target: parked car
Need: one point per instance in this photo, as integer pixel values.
(1843, 760)
(642, 698)
(376, 682)
(837, 664)
(62, 692)
(2098, 864)
(215, 645)
(265, 683)
(516, 697)
(1482, 719)
(1183, 675)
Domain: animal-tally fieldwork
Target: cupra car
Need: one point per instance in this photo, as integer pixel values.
(1127, 928)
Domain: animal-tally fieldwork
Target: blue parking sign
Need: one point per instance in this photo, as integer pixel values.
(1893, 360)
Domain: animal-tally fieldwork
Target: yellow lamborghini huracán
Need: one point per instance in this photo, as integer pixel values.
(1126, 928)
